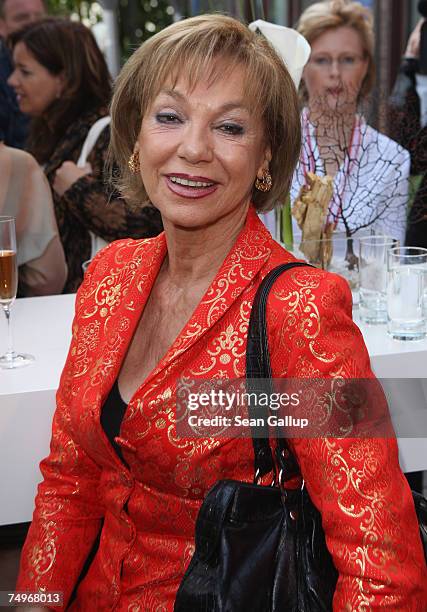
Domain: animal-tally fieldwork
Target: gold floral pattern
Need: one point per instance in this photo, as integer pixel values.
(149, 504)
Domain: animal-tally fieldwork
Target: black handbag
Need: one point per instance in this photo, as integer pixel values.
(261, 548)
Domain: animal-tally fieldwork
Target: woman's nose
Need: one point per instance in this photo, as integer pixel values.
(12, 80)
(195, 145)
(335, 68)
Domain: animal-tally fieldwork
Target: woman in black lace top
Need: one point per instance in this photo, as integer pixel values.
(62, 82)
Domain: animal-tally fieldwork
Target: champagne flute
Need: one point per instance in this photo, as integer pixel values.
(8, 288)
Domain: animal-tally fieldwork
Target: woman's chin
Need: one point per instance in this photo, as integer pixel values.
(186, 219)
(184, 213)
(26, 109)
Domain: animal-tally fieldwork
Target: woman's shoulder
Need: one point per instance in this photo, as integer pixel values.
(310, 326)
(78, 129)
(307, 284)
(18, 156)
(117, 267)
(25, 180)
(88, 118)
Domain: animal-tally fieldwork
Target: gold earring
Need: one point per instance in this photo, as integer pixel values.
(133, 163)
(265, 183)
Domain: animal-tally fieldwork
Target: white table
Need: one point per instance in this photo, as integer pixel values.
(42, 326)
(404, 365)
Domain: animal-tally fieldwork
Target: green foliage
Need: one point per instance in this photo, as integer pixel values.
(140, 19)
(137, 19)
(65, 8)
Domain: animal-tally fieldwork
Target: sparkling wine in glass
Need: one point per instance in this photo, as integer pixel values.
(8, 288)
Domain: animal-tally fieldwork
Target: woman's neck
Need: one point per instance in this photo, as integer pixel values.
(331, 127)
(333, 133)
(196, 254)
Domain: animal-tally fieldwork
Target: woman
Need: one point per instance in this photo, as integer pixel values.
(370, 171)
(62, 82)
(25, 194)
(196, 131)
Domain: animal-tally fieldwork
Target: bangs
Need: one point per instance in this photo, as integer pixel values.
(208, 61)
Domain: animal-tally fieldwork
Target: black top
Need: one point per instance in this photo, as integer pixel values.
(112, 413)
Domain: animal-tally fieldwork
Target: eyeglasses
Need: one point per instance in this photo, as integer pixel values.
(345, 62)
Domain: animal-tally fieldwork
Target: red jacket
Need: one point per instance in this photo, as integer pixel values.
(149, 510)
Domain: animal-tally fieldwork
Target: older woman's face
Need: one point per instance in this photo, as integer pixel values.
(201, 149)
(336, 69)
(36, 88)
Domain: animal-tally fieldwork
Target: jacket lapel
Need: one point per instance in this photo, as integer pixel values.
(128, 286)
(117, 296)
(132, 284)
(248, 255)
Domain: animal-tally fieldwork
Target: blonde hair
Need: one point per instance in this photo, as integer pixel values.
(199, 47)
(323, 16)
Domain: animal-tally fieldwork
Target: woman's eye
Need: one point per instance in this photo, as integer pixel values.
(348, 60)
(167, 118)
(231, 128)
(322, 61)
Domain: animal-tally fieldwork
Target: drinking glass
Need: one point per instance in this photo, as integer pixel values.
(8, 288)
(373, 277)
(406, 282)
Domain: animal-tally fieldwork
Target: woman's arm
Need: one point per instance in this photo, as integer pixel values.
(100, 210)
(366, 505)
(68, 511)
(45, 275)
(26, 195)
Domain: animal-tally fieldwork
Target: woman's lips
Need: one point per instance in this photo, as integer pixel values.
(186, 191)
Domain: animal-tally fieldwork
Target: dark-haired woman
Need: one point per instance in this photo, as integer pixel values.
(62, 82)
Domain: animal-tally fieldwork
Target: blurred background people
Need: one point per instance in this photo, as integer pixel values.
(25, 194)
(14, 14)
(409, 126)
(370, 171)
(62, 81)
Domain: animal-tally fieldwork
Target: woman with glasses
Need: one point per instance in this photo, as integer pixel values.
(369, 171)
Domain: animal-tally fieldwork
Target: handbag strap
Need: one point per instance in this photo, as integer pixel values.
(91, 138)
(258, 377)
